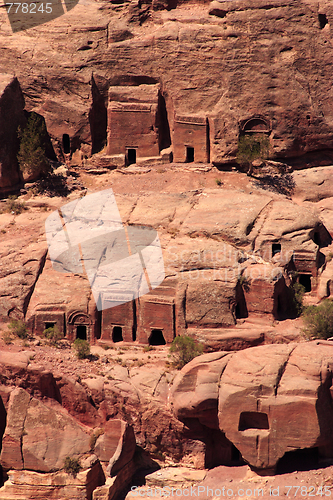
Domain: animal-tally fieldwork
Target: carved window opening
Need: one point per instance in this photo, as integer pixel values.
(156, 338)
(49, 324)
(189, 154)
(305, 280)
(322, 20)
(276, 248)
(130, 156)
(66, 143)
(253, 420)
(117, 334)
(81, 332)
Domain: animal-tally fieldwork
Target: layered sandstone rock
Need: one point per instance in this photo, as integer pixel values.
(29, 485)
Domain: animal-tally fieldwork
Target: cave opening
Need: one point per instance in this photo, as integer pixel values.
(297, 460)
(66, 143)
(276, 248)
(49, 325)
(117, 334)
(156, 338)
(322, 18)
(316, 238)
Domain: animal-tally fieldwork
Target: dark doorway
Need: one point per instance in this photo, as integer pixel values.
(49, 325)
(276, 248)
(253, 420)
(66, 143)
(156, 338)
(117, 334)
(189, 155)
(81, 332)
(305, 280)
(130, 156)
(322, 20)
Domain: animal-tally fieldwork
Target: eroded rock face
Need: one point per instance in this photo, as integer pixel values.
(272, 399)
(38, 437)
(247, 71)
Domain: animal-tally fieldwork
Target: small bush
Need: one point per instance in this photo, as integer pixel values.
(252, 147)
(298, 292)
(7, 338)
(319, 320)
(72, 466)
(184, 349)
(82, 348)
(31, 155)
(53, 335)
(18, 328)
(218, 182)
(14, 206)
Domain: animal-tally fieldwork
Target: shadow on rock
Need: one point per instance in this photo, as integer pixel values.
(282, 184)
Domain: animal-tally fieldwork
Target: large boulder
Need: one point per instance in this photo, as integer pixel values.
(39, 437)
(116, 445)
(271, 399)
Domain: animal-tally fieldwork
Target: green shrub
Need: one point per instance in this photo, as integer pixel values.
(252, 147)
(319, 320)
(82, 348)
(18, 328)
(14, 206)
(31, 155)
(298, 292)
(218, 182)
(183, 350)
(72, 466)
(53, 335)
(7, 338)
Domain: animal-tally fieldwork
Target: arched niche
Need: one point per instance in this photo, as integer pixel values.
(79, 326)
